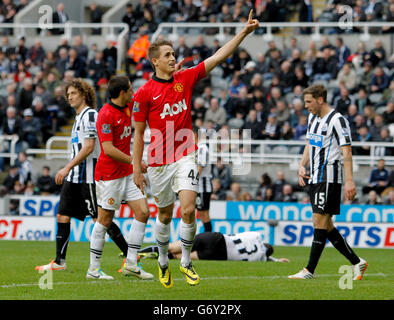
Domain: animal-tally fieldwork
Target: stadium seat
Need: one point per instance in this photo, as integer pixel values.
(376, 97)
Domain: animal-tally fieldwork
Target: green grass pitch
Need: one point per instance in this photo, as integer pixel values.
(220, 280)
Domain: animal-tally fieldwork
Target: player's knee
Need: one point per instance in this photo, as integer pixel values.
(188, 210)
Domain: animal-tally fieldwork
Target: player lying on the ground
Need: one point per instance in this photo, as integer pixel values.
(244, 246)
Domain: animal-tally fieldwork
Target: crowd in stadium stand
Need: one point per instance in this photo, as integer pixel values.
(264, 95)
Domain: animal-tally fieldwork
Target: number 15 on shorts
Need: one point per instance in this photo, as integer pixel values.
(320, 199)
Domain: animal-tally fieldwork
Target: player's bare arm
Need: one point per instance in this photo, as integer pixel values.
(87, 149)
(138, 149)
(350, 187)
(229, 48)
(301, 169)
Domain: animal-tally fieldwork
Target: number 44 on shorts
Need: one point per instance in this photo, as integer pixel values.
(194, 177)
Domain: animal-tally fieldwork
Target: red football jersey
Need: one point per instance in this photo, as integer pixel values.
(113, 124)
(166, 106)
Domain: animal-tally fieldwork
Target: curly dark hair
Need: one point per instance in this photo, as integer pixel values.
(85, 89)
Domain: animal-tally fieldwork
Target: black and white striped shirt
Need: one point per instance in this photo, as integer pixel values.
(326, 136)
(205, 181)
(245, 246)
(84, 128)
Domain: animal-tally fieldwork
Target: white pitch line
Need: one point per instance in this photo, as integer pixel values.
(15, 285)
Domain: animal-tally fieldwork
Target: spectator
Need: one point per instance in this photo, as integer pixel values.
(286, 77)
(96, 14)
(388, 114)
(159, 11)
(198, 109)
(296, 112)
(242, 103)
(11, 126)
(342, 52)
(62, 61)
(50, 83)
(130, 19)
(25, 168)
(215, 113)
(36, 54)
(369, 115)
(356, 125)
(347, 77)
(380, 80)
(287, 194)
(206, 11)
(325, 66)
(31, 129)
(217, 192)
(188, 12)
(254, 125)
(59, 16)
(45, 183)
(21, 50)
(272, 129)
(182, 51)
(379, 179)
(282, 112)
(366, 75)
(286, 132)
(305, 15)
(388, 93)
(265, 184)
(385, 137)
(378, 124)
(138, 50)
(97, 68)
(75, 63)
(111, 54)
(343, 101)
(222, 172)
(378, 54)
(278, 185)
(362, 100)
(390, 199)
(11, 178)
(351, 115)
(363, 136)
(301, 129)
(234, 194)
(300, 77)
(373, 198)
(82, 49)
(24, 97)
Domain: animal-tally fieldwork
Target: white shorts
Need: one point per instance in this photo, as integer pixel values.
(111, 193)
(171, 178)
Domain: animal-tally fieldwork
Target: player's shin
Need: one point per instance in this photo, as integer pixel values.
(62, 237)
(187, 234)
(136, 236)
(342, 246)
(318, 244)
(163, 240)
(97, 241)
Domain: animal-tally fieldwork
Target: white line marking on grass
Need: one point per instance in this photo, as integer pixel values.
(15, 285)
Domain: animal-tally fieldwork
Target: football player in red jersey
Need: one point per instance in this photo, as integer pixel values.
(164, 103)
(114, 180)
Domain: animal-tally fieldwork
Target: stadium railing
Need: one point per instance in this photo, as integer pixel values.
(12, 140)
(245, 150)
(269, 26)
(121, 37)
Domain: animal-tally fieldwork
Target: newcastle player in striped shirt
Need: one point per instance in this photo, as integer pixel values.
(205, 181)
(329, 154)
(78, 194)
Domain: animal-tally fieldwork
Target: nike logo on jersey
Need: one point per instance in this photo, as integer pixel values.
(174, 109)
(154, 98)
(119, 121)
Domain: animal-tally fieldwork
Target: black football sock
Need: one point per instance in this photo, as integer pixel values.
(170, 255)
(116, 235)
(208, 226)
(342, 246)
(318, 243)
(62, 237)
